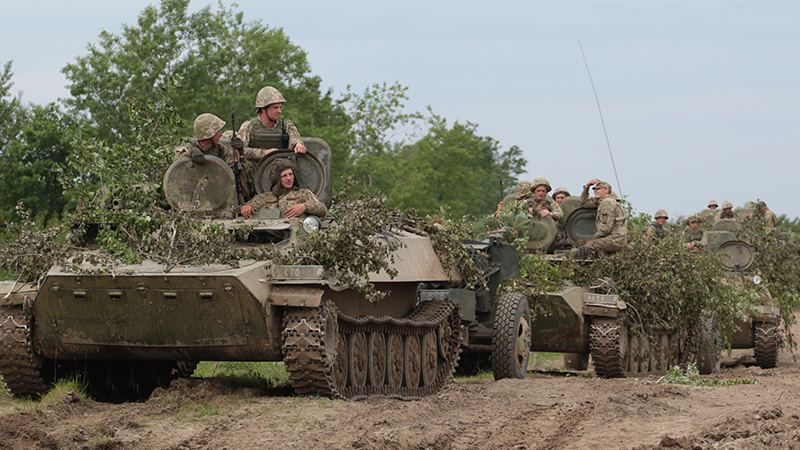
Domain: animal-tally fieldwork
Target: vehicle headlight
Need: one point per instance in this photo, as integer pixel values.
(757, 279)
(311, 224)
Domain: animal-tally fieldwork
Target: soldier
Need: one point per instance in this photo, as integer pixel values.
(560, 194)
(727, 211)
(207, 135)
(766, 214)
(658, 229)
(709, 214)
(693, 235)
(268, 131)
(540, 203)
(285, 194)
(712, 205)
(612, 231)
(521, 193)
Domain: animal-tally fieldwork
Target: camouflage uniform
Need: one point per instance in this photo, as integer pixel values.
(548, 204)
(520, 193)
(656, 231)
(770, 219)
(612, 230)
(697, 237)
(223, 152)
(293, 197)
(246, 131)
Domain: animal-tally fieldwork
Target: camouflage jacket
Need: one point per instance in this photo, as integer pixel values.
(611, 219)
(296, 196)
(770, 219)
(656, 231)
(546, 203)
(224, 152)
(257, 153)
(698, 237)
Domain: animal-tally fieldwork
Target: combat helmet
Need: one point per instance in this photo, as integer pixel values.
(560, 190)
(713, 203)
(661, 213)
(727, 205)
(267, 96)
(522, 189)
(206, 125)
(541, 181)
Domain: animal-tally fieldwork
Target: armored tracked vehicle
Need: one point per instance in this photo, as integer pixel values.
(132, 329)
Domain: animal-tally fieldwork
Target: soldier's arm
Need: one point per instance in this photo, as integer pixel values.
(264, 200)
(313, 205)
(294, 134)
(585, 200)
(555, 210)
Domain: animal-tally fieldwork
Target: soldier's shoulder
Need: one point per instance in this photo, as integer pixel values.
(183, 147)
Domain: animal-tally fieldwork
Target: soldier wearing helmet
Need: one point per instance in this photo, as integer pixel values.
(286, 195)
(694, 237)
(560, 194)
(727, 211)
(765, 214)
(269, 131)
(611, 221)
(520, 193)
(540, 203)
(709, 214)
(659, 229)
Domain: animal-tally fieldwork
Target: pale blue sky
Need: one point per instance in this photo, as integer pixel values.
(700, 97)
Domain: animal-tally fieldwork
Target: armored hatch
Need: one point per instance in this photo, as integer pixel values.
(204, 189)
(717, 238)
(731, 225)
(580, 224)
(313, 169)
(736, 255)
(542, 233)
(569, 205)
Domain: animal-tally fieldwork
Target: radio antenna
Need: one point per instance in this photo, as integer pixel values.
(602, 119)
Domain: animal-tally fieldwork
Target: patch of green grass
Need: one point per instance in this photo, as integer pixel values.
(544, 358)
(480, 377)
(692, 377)
(6, 275)
(270, 375)
(64, 388)
(196, 411)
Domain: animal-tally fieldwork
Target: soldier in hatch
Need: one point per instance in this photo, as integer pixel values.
(658, 229)
(611, 222)
(693, 235)
(541, 204)
(269, 131)
(560, 194)
(727, 211)
(766, 215)
(285, 194)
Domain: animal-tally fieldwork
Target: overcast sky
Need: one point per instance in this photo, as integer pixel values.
(701, 98)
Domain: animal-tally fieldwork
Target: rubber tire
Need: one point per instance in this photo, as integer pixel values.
(511, 313)
(766, 340)
(709, 345)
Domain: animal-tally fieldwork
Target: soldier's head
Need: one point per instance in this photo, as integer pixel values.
(694, 223)
(208, 129)
(560, 194)
(601, 189)
(522, 190)
(762, 206)
(540, 188)
(283, 175)
(661, 217)
(269, 104)
(712, 204)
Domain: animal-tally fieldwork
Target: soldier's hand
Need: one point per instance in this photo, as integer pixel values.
(266, 151)
(295, 211)
(246, 211)
(544, 212)
(300, 148)
(237, 143)
(198, 158)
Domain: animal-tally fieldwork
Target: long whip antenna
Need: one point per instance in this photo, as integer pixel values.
(602, 119)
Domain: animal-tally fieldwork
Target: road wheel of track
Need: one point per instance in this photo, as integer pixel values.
(430, 358)
(340, 362)
(376, 358)
(394, 361)
(511, 342)
(357, 359)
(412, 361)
(608, 341)
(767, 339)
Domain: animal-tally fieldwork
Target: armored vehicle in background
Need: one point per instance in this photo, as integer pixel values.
(134, 328)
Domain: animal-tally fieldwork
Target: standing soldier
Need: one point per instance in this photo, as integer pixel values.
(659, 229)
(612, 231)
(693, 235)
(540, 203)
(268, 131)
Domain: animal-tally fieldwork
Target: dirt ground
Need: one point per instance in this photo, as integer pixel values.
(541, 412)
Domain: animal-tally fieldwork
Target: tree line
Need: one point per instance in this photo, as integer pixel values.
(134, 95)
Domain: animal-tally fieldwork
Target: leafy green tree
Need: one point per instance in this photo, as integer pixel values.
(211, 60)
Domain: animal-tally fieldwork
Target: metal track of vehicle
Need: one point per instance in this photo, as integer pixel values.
(22, 370)
(767, 337)
(618, 354)
(330, 353)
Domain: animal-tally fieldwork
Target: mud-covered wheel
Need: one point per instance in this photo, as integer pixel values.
(412, 361)
(576, 361)
(340, 362)
(376, 358)
(608, 343)
(430, 359)
(357, 359)
(394, 361)
(709, 345)
(767, 338)
(511, 342)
